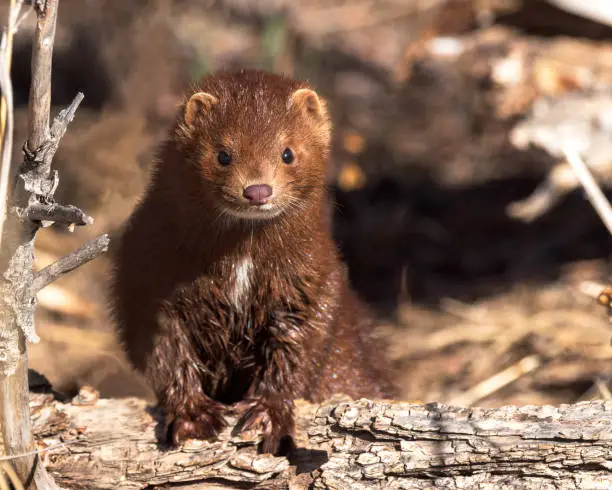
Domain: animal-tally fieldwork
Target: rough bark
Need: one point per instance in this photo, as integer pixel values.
(423, 446)
(31, 206)
(113, 443)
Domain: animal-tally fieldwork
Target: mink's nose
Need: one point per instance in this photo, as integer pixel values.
(258, 194)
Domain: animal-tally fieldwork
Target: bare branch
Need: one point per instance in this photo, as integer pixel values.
(40, 88)
(36, 170)
(592, 189)
(86, 253)
(18, 282)
(496, 382)
(15, 19)
(56, 213)
(7, 140)
(65, 117)
(6, 107)
(536, 204)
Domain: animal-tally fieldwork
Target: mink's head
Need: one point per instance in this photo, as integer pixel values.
(258, 143)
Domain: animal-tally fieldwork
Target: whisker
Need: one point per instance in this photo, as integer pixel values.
(304, 187)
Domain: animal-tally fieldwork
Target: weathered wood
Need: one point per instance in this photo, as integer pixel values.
(113, 443)
(32, 199)
(87, 252)
(56, 213)
(40, 88)
(410, 446)
(11, 409)
(14, 411)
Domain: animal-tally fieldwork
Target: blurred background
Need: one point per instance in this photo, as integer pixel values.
(448, 116)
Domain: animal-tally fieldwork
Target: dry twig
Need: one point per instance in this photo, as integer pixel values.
(604, 210)
(6, 141)
(32, 206)
(6, 107)
(74, 260)
(592, 189)
(496, 382)
(13, 478)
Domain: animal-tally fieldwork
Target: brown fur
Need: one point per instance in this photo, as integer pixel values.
(296, 330)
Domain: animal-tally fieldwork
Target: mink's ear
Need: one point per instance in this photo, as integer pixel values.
(199, 103)
(308, 101)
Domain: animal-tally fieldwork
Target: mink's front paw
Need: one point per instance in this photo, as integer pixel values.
(273, 420)
(204, 425)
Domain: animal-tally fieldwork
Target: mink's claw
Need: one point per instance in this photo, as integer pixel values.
(275, 426)
(239, 408)
(255, 418)
(204, 426)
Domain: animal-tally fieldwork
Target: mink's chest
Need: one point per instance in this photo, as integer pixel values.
(232, 317)
(239, 282)
(235, 304)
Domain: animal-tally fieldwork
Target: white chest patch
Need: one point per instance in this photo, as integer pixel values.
(242, 280)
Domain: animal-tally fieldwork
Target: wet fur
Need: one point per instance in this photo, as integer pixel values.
(297, 330)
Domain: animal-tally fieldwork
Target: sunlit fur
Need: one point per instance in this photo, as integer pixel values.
(255, 130)
(225, 305)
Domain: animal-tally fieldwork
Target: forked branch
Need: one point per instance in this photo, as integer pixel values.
(70, 262)
(32, 206)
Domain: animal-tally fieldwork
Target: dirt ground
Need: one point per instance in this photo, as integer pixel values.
(423, 170)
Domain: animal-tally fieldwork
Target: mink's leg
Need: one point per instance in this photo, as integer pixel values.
(269, 406)
(177, 376)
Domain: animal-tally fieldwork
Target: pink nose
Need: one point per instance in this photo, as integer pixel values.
(257, 194)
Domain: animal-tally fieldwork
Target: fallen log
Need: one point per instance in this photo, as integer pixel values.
(115, 443)
(401, 445)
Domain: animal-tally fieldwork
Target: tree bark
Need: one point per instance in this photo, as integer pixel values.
(16, 264)
(402, 445)
(114, 443)
(31, 206)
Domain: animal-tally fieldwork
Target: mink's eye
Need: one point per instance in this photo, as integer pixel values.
(288, 156)
(224, 158)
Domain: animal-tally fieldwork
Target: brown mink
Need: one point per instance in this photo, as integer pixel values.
(228, 290)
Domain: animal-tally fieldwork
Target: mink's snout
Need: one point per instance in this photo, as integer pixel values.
(257, 194)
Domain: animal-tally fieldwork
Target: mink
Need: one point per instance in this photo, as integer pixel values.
(228, 291)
